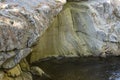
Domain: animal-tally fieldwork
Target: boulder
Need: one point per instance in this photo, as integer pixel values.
(22, 22)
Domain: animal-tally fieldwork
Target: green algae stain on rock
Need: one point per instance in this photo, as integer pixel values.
(60, 39)
(81, 29)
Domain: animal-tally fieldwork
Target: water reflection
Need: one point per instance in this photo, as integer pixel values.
(115, 75)
(89, 68)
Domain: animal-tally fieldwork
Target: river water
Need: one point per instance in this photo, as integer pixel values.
(80, 68)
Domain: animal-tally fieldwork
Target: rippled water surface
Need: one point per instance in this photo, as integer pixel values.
(89, 68)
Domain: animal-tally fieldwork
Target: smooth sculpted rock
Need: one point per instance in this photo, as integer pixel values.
(83, 28)
(22, 22)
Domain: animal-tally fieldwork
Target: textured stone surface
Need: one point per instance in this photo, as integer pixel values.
(21, 23)
(82, 29)
(23, 76)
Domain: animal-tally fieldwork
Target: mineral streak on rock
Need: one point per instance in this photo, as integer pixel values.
(83, 28)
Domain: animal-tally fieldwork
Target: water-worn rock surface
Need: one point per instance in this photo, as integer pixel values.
(22, 22)
(83, 28)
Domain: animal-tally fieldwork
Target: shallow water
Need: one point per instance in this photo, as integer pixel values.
(89, 68)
